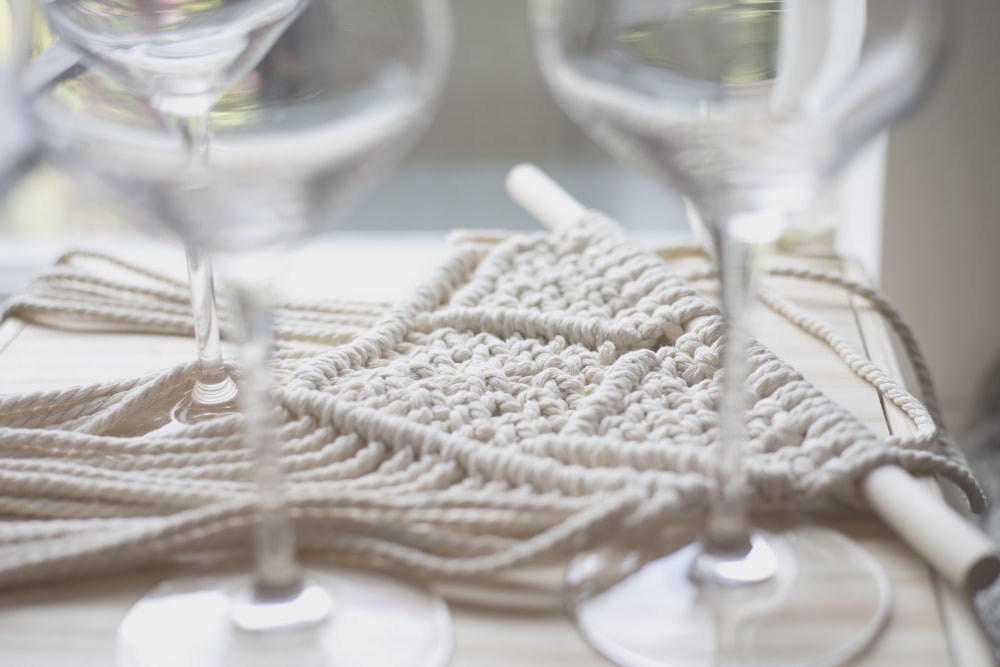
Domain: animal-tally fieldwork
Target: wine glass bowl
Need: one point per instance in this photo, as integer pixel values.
(181, 56)
(748, 108)
(748, 100)
(301, 133)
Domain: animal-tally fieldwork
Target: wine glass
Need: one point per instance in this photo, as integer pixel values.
(181, 57)
(748, 108)
(338, 97)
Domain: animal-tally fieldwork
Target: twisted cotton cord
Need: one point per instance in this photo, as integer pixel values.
(903, 331)
(924, 413)
(823, 331)
(78, 293)
(220, 525)
(535, 396)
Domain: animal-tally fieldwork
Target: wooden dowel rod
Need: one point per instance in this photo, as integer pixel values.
(956, 549)
(542, 197)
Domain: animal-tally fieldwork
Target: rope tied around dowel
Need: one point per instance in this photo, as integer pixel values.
(538, 394)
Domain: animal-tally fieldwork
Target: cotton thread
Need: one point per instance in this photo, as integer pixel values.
(540, 394)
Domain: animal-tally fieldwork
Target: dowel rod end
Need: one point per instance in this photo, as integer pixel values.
(954, 547)
(542, 197)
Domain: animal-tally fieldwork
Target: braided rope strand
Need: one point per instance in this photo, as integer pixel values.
(538, 394)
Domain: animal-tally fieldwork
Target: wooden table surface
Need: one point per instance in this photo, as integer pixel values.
(931, 625)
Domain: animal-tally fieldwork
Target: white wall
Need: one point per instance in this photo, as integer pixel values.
(941, 257)
(496, 111)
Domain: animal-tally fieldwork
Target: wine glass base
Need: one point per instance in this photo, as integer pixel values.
(169, 416)
(375, 621)
(827, 602)
(188, 413)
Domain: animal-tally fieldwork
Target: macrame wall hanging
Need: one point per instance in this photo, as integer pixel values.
(539, 394)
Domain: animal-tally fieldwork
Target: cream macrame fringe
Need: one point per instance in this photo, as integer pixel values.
(540, 394)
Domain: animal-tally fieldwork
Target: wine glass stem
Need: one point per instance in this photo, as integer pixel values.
(213, 390)
(727, 533)
(211, 369)
(197, 140)
(277, 573)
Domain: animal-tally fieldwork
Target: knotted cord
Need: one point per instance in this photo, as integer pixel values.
(538, 395)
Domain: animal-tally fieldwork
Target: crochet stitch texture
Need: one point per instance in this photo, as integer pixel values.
(537, 396)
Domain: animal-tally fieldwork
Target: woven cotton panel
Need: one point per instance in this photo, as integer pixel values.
(537, 396)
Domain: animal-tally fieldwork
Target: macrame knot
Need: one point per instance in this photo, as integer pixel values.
(537, 395)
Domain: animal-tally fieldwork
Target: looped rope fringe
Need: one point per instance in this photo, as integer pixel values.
(538, 395)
